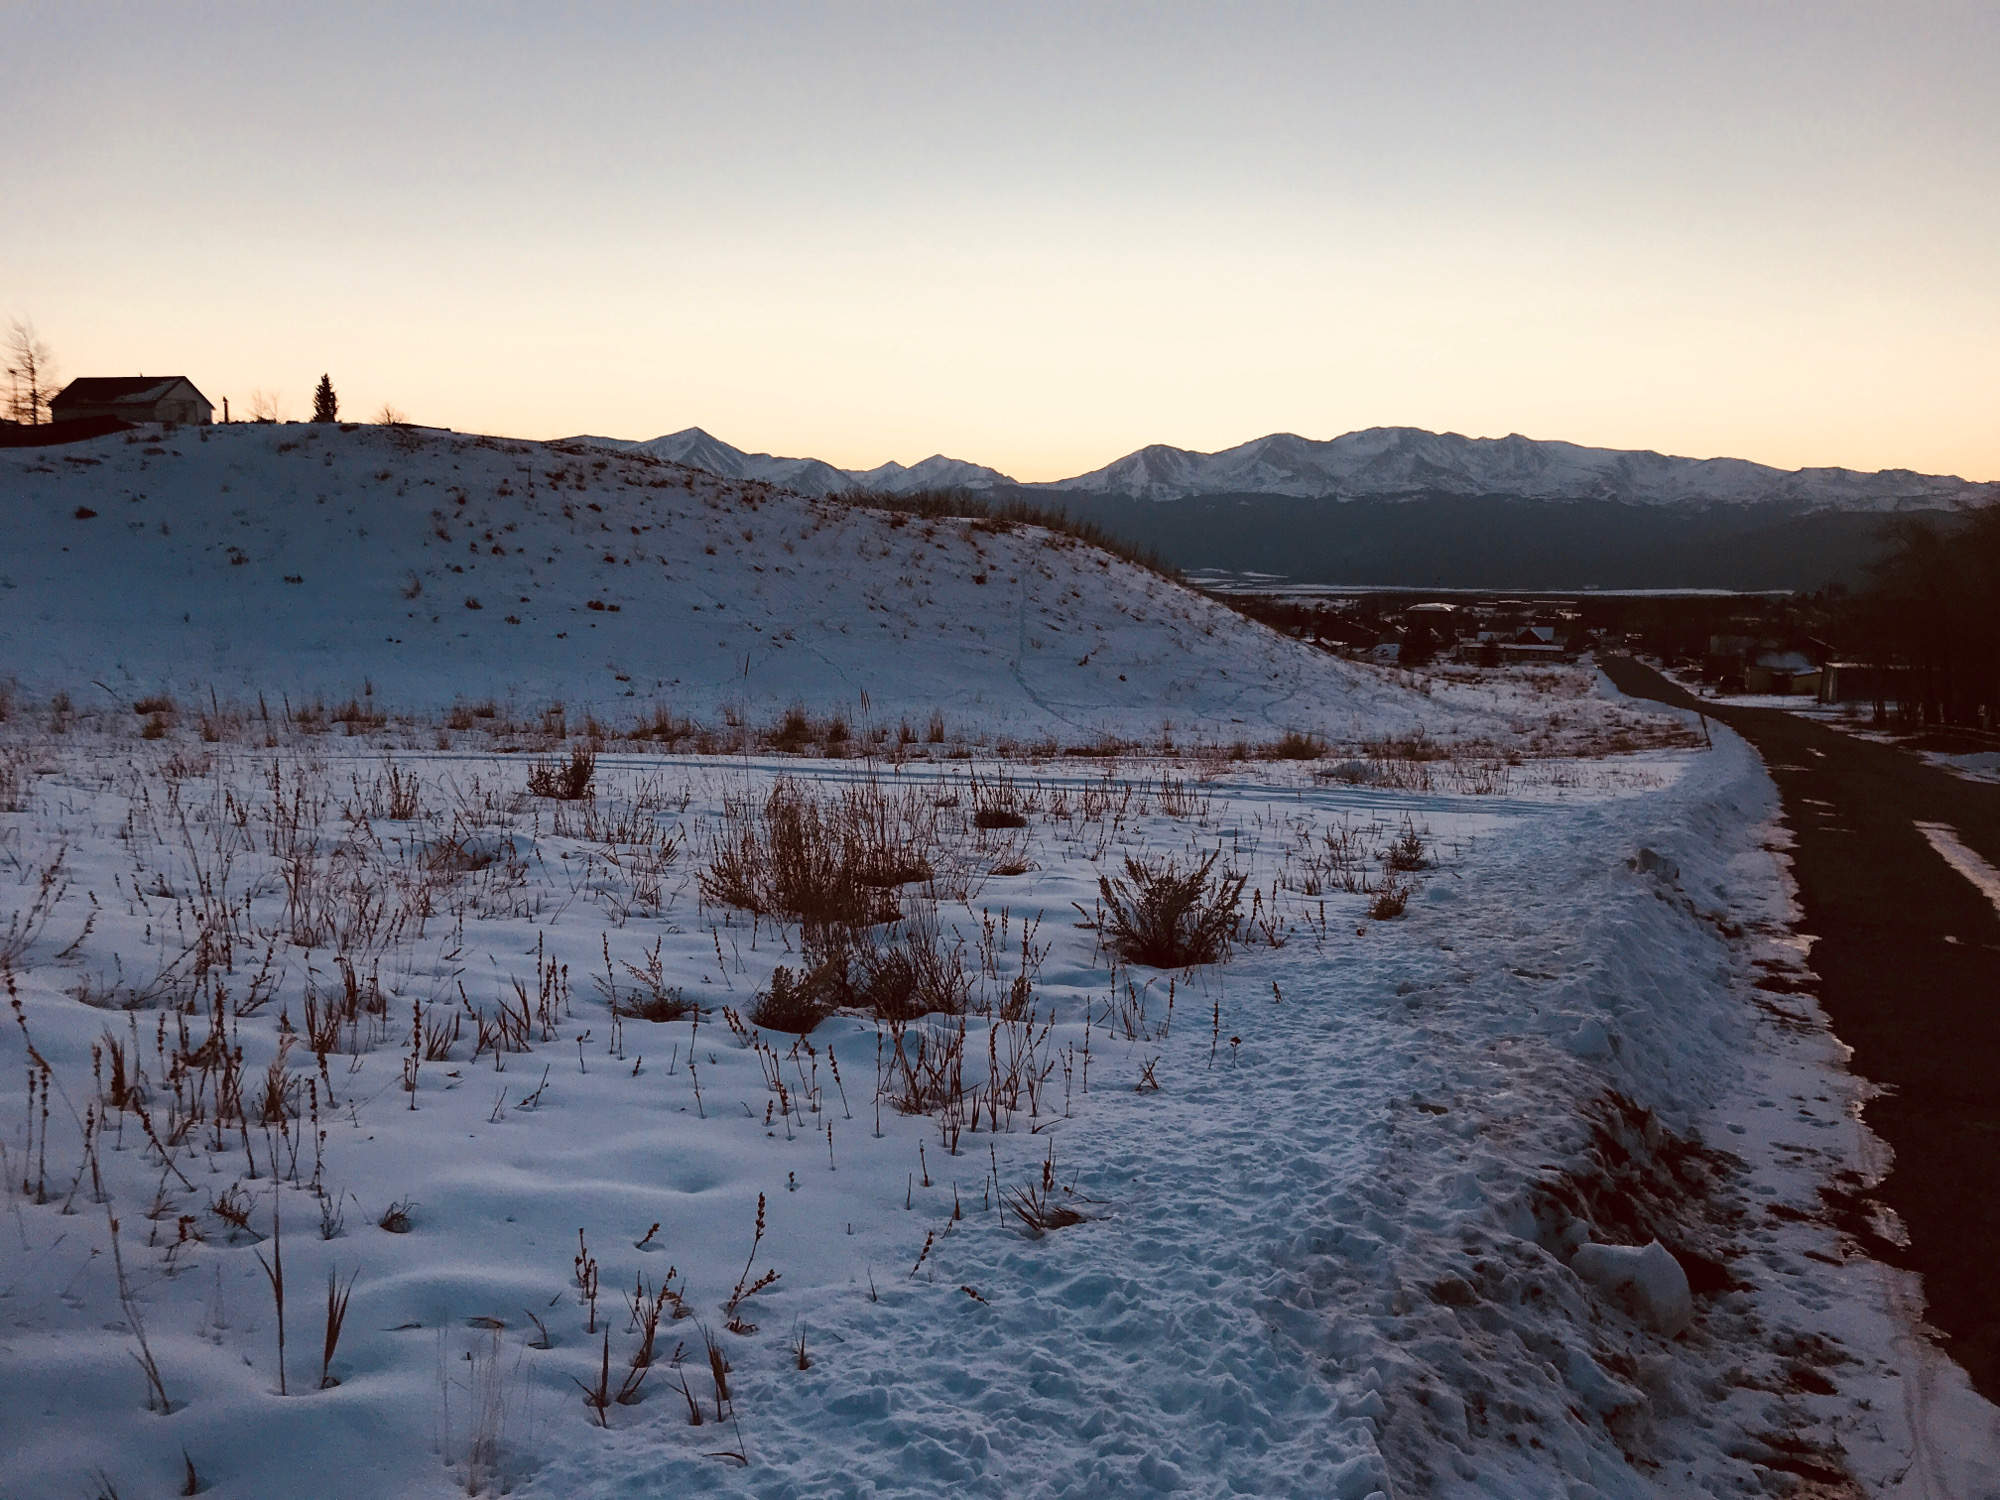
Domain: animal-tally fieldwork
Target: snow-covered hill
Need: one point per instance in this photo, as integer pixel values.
(433, 567)
(1378, 462)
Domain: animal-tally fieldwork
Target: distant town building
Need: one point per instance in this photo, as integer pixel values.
(132, 398)
(1783, 672)
(1749, 664)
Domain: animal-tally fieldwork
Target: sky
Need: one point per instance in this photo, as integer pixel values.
(1034, 236)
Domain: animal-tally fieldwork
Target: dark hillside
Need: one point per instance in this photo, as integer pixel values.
(1485, 542)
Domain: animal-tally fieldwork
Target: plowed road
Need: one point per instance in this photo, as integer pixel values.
(1896, 868)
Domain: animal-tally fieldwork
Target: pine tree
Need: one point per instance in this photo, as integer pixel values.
(326, 405)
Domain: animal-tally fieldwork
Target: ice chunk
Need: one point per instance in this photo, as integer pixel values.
(1357, 1478)
(1647, 1283)
(1589, 1040)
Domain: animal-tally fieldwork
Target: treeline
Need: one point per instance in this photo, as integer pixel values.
(1934, 600)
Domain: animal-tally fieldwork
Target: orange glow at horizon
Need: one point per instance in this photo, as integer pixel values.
(1035, 239)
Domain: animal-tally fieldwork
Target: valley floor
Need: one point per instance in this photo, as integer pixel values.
(1329, 1193)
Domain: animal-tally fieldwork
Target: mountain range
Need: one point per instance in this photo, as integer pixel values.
(1376, 463)
(808, 476)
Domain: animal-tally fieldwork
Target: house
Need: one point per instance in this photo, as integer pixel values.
(132, 398)
(1785, 672)
(1434, 614)
(1762, 664)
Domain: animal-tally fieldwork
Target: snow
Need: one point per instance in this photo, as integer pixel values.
(1979, 765)
(1375, 1207)
(1955, 852)
(1647, 1282)
(1335, 1252)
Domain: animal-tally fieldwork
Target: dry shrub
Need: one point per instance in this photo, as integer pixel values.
(1161, 914)
(924, 1070)
(1390, 900)
(1415, 746)
(654, 999)
(398, 795)
(911, 971)
(831, 864)
(798, 1003)
(1407, 853)
(1294, 745)
(565, 781)
(659, 724)
(794, 731)
(899, 973)
(1037, 1206)
(998, 803)
(357, 716)
(16, 776)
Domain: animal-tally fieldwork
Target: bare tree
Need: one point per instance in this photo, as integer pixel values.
(389, 416)
(266, 406)
(31, 371)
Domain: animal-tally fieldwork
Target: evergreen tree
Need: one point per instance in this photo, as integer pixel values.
(326, 405)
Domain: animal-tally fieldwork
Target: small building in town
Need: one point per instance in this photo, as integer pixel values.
(1783, 672)
(132, 398)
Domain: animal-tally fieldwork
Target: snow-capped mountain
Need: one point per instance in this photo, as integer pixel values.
(933, 473)
(1391, 461)
(808, 476)
(1380, 462)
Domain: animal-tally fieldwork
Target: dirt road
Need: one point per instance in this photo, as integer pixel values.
(1890, 860)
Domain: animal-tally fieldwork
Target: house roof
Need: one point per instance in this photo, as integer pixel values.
(1784, 661)
(96, 389)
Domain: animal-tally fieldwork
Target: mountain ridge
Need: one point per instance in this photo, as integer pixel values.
(1371, 463)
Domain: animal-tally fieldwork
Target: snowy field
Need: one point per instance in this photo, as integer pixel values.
(1311, 1220)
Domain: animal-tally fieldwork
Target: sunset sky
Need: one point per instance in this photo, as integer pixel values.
(1033, 236)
